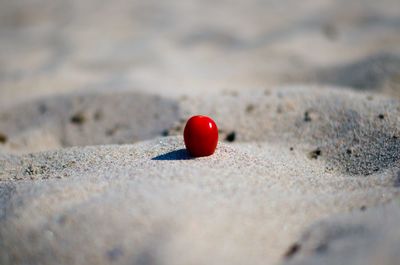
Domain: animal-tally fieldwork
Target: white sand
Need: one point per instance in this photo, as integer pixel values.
(309, 92)
(247, 203)
(368, 237)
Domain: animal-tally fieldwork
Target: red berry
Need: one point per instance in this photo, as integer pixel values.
(201, 136)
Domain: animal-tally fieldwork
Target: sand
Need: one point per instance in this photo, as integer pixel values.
(94, 99)
(367, 237)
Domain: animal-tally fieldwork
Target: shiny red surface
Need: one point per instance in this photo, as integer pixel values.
(201, 136)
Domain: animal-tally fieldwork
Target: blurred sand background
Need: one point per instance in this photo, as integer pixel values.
(306, 96)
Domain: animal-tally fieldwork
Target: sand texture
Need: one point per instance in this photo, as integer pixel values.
(368, 237)
(94, 96)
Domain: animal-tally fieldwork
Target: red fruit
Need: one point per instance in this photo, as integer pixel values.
(201, 136)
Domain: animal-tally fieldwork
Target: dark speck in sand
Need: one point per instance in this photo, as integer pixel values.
(3, 138)
(249, 108)
(292, 250)
(363, 208)
(165, 133)
(307, 117)
(381, 116)
(230, 137)
(315, 154)
(78, 118)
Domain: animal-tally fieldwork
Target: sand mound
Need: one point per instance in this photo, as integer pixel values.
(293, 155)
(86, 119)
(149, 203)
(353, 132)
